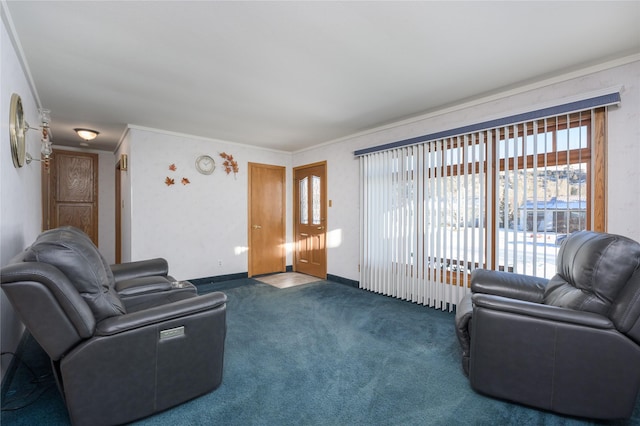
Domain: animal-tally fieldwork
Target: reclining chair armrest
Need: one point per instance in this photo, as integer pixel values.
(508, 284)
(464, 313)
(49, 305)
(143, 285)
(545, 312)
(159, 314)
(140, 268)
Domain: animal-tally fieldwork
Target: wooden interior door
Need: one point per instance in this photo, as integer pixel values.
(267, 219)
(310, 213)
(70, 192)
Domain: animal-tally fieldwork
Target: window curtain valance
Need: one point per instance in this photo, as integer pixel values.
(607, 99)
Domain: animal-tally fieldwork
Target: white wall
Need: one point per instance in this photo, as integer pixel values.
(623, 173)
(125, 198)
(20, 202)
(193, 226)
(106, 205)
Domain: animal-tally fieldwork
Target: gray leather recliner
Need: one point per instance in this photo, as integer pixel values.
(125, 341)
(570, 344)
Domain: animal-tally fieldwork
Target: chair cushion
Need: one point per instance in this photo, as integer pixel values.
(591, 269)
(82, 263)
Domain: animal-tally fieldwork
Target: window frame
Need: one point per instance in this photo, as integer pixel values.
(593, 154)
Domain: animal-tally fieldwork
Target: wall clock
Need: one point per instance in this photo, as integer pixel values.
(17, 129)
(205, 164)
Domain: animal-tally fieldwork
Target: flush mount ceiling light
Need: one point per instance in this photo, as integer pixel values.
(87, 134)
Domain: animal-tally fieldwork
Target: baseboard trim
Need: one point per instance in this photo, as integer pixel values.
(341, 280)
(220, 278)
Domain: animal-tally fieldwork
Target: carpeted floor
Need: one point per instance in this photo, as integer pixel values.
(328, 354)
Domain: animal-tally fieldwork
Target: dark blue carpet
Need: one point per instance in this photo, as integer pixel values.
(327, 354)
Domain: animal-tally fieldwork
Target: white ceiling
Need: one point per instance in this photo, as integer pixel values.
(289, 75)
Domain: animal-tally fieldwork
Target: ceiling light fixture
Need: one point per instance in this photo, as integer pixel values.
(87, 134)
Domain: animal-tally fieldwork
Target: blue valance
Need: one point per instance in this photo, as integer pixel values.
(581, 105)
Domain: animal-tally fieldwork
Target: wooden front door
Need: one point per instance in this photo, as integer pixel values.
(70, 192)
(310, 214)
(267, 218)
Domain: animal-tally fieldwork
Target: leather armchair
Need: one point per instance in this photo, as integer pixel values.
(570, 344)
(139, 284)
(116, 359)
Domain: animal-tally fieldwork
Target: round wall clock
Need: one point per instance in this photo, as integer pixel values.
(205, 164)
(17, 128)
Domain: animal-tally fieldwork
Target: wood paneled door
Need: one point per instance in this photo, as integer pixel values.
(70, 192)
(310, 216)
(267, 219)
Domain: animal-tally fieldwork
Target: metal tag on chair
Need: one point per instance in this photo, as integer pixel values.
(171, 332)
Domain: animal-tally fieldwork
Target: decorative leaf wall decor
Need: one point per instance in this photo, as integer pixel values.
(230, 165)
(169, 181)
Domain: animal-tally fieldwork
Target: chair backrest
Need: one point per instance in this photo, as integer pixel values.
(592, 272)
(73, 253)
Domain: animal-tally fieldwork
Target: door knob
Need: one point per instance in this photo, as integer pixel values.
(320, 228)
(257, 227)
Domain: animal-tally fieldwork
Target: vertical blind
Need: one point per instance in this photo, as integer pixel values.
(416, 200)
(502, 197)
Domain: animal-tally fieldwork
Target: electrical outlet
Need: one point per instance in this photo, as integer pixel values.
(219, 262)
